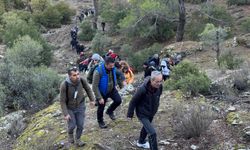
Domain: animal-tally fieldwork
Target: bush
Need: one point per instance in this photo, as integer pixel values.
(87, 32)
(101, 43)
(199, 20)
(25, 52)
(192, 121)
(136, 59)
(245, 25)
(238, 2)
(51, 17)
(229, 61)
(186, 77)
(39, 5)
(65, 12)
(2, 99)
(195, 1)
(29, 89)
(15, 27)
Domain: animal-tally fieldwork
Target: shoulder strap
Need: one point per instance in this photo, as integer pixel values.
(67, 95)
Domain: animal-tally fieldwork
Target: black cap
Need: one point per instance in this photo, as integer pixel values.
(109, 59)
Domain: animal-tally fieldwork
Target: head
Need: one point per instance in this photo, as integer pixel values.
(156, 79)
(96, 58)
(74, 74)
(125, 69)
(109, 62)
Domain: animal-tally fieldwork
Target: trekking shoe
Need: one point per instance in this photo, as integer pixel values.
(71, 138)
(111, 115)
(145, 145)
(80, 143)
(102, 125)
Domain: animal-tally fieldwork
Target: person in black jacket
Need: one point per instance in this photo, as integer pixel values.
(146, 102)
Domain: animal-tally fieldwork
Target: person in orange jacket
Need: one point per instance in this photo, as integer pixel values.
(129, 76)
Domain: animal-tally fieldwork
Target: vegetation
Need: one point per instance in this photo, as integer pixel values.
(238, 2)
(209, 14)
(87, 32)
(186, 77)
(229, 61)
(245, 25)
(101, 43)
(192, 121)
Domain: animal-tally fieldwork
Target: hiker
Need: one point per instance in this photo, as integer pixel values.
(146, 102)
(73, 43)
(79, 48)
(96, 60)
(155, 59)
(72, 99)
(84, 64)
(128, 73)
(151, 67)
(165, 70)
(103, 26)
(104, 86)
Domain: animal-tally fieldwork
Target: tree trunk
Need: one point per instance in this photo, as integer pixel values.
(95, 20)
(217, 46)
(182, 21)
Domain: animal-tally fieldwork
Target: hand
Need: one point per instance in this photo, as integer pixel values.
(67, 117)
(101, 101)
(92, 104)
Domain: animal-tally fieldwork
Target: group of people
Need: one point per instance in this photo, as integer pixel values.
(75, 45)
(164, 65)
(85, 13)
(105, 73)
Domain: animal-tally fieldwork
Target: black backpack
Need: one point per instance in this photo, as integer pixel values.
(67, 88)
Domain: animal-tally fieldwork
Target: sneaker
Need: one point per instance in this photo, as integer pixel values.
(111, 115)
(80, 143)
(71, 138)
(145, 145)
(102, 125)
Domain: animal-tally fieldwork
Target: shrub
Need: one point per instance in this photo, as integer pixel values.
(51, 17)
(192, 121)
(186, 77)
(87, 32)
(2, 99)
(100, 43)
(2, 7)
(14, 27)
(195, 1)
(200, 18)
(229, 61)
(65, 12)
(238, 2)
(39, 5)
(30, 89)
(25, 52)
(245, 25)
(136, 60)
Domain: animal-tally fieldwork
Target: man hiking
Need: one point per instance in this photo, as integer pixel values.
(72, 99)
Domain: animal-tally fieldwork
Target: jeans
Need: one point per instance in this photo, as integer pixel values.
(148, 129)
(77, 120)
(114, 95)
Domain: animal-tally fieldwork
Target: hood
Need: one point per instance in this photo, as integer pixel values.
(69, 81)
(146, 80)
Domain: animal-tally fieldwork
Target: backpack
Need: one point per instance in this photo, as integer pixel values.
(90, 74)
(67, 88)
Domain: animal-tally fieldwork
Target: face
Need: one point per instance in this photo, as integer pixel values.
(157, 81)
(74, 76)
(95, 61)
(109, 66)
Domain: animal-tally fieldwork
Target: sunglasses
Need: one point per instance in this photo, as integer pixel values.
(73, 69)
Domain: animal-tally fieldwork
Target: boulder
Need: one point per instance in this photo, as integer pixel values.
(14, 123)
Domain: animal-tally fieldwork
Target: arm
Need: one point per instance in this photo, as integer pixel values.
(88, 90)
(63, 99)
(134, 101)
(131, 79)
(120, 78)
(95, 88)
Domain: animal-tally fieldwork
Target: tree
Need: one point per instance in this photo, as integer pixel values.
(96, 7)
(182, 21)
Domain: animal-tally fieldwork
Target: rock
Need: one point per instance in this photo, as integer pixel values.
(13, 123)
(231, 109)
(194, 147)
(246, 133)
(233, 118)
(57, 113)
(164, 142)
